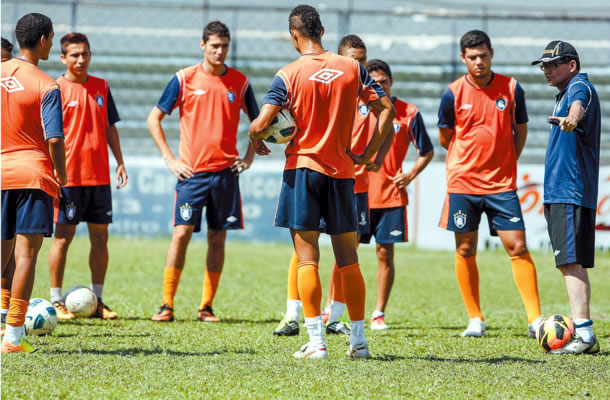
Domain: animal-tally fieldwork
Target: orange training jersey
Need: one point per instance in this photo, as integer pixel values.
(481, 158)
(26, 163)
(322, 90)
(364, 126)
(85, 125)
(209, 115)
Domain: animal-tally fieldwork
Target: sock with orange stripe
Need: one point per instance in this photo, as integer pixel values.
(337, 305)
(14, 320)
(210, 285)
(171, 279)
(293, 301)
(526, 280)
(468, 281)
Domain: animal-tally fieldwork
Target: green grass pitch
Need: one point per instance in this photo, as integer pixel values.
(421, 356)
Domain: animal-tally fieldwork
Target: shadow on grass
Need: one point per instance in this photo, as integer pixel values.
(136, 351)
(248, 321)
(493, 360)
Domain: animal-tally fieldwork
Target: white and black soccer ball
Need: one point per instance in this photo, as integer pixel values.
(81, 301)
(282, 129)
(40, 318)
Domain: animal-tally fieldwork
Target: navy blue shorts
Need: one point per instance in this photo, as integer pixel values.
(26, 211)
(311, 201)
(362, 212)
(84, 203)
(388, 225)
(218, 192)
(462, 212)
(572, 232)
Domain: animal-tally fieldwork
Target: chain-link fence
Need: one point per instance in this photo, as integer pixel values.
(138, 46)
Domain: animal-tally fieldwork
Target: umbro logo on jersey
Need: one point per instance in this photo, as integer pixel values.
(73, 103)
(11, 84)
(199, 92)
(326, 75)
(466, 107)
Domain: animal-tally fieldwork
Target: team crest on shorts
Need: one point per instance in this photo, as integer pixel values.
(501, 103)
(396, 127)
(231, 97)
(100, 101)
(362, 218)
(459, 219)
(186, 211)
(364, 109)
(70, 211)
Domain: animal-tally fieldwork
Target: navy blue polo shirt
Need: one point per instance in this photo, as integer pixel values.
(571, 166)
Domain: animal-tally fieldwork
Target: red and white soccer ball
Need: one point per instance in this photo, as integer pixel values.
(81, 301)
(282, 129)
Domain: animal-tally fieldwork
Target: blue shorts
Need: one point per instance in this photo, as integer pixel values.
(462, 212)
(388, 225)
(218, 192)
(84, 203)
(311, 201)
(362, 212)
(26, 211)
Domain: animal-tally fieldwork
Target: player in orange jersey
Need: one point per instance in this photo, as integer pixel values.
(90, 116)
(483, 126)
(210, 96)
(33, 165)
(317, 193)
(7, 50)
(388, 197)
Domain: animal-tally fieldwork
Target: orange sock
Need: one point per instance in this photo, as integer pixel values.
(293, 288)
(337, 285)
(6, 299)
(210, 285)
(310, 289)
(468, 280)
(16, 312)
(171, 279)
(526, 280)
(354, 291)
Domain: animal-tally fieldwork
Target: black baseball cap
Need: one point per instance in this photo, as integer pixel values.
(555, 50)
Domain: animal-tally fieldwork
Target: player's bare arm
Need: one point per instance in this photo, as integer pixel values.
(57, 150)
(568, 124)
(242, 164)
(258, 126)
(445, 136)
(112, 135)
(520, 136)
(403, 180)
(175, 165)
(376, 164)
(384, 124)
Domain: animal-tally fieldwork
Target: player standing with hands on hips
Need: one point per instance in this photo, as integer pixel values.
(571, 173)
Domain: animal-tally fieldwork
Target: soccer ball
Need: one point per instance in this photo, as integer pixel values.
(282, 129)
(555, 332)
(40, 318)
(81, 301)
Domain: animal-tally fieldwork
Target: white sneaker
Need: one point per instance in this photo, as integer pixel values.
(312, 352)
(532, 329)
(476, 328)
(359, 351)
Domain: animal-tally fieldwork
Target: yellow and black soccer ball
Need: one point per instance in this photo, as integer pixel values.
(555, 332)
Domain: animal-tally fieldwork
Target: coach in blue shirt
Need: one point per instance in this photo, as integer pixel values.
(570, 183)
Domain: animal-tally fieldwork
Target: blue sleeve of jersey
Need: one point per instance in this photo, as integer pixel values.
(113, 114)
(52, 115)
(579, 91)
(420, 135)
(169, 98)
(277, 94)
(366, 80)
(520, 107)
(446, 111)
(250, 103)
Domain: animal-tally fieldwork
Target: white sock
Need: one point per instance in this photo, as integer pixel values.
(293, 310)
(12, 334)
(377, 314)
(357, 334)
(315, 328)
(336, 310)
(584, 329)
(4, 311)
(97, 289)
(56, 294)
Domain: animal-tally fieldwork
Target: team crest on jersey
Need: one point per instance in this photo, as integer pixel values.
(501, 103)
(326, 75)
(70, 211)
(231, 97)
(459, 219)
(100, 101)
(11, 84)
(396, 127)
(364, 109)
(186, 211)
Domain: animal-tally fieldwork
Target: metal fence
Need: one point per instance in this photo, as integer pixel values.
(138, 46)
